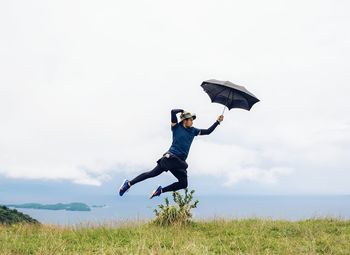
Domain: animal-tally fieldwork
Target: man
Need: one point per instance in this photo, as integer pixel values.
(175, 158)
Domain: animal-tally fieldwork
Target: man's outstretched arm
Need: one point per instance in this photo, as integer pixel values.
(173, 116)
(211, 129)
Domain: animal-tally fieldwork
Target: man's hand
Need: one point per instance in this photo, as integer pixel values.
(220, 118)
(173, 116)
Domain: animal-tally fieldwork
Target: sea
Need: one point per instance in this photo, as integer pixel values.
(137, 207)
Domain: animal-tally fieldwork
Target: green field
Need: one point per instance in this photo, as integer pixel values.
(215, 236)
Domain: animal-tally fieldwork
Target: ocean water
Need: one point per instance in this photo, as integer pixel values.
(133, 207)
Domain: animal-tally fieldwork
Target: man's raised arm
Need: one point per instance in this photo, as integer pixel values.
(173, 116)
(212, 127)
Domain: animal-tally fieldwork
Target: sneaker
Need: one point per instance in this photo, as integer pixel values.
(156, 192)
(124, 187)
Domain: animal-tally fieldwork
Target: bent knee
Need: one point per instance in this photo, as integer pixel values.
(184, 183)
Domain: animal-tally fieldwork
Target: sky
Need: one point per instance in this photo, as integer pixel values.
(86, 90)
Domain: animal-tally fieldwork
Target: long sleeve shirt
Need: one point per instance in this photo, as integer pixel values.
(183, 136)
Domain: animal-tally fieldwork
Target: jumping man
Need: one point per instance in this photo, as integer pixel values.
(175, 158)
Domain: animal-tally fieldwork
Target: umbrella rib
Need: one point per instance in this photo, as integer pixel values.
(229, 94)
(226, 102)
(232, 99)
(218, 94)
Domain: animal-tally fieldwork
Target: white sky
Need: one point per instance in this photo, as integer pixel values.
(86, 89)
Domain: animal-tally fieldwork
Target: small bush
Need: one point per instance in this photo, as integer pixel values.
(179, 213)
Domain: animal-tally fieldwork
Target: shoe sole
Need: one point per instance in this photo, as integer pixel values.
(121, 187)
(153, 194)
(150, 197)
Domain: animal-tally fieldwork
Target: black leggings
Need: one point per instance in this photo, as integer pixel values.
(175, 165)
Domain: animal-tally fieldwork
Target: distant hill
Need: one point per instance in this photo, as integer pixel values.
(10, 216)
(68, 207)
(98, 206)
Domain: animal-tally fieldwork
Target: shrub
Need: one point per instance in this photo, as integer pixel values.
(179, 213)
(11, 216)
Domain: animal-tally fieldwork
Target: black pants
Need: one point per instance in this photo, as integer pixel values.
(175, 165)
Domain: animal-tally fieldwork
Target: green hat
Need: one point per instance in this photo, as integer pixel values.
(187, 115)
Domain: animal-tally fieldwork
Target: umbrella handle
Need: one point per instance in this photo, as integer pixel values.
(223, 110)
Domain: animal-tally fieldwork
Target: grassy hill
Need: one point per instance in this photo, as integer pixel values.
(216, 236)
(11, 216)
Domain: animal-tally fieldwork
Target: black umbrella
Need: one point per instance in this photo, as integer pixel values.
(229, 94)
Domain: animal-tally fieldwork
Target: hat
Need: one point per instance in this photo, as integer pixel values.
(187, 115)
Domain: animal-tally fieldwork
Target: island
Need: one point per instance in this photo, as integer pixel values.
(76, 206)
(98, 206)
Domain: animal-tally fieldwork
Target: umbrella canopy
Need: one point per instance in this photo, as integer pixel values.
(229, 94)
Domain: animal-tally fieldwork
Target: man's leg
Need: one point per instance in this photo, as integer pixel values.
(154, 172)
(181, 175)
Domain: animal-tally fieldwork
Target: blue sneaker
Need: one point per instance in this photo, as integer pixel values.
(124, 187)
(156, 192)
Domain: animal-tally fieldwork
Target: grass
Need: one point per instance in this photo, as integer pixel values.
(215, 236)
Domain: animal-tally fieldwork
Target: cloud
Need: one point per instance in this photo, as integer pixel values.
(88, 96)
(265, 176)
(234, 163)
